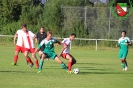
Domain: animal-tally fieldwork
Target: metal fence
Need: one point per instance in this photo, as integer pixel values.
(98, 21)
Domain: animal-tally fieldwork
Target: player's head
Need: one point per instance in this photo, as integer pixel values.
(123, 33)
(24, 27)
(42, 29)
(49, 34)
(72, 36)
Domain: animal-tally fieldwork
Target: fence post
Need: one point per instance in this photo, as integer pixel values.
(96, 44)
(109, 21)
(85, 18)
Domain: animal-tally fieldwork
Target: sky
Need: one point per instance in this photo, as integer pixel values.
(104, 1)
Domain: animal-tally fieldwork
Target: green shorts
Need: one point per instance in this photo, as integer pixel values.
(123, 54)
(51, 55)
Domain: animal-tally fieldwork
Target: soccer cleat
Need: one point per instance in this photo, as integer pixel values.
(47, 59)
(14, 64)
(126, 68)
(31, 65)
(39, 71)
(123, 69)
(69, 72)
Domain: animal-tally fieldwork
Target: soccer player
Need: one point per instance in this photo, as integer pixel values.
(28, 39)
(49, 51)
(39, 37)
(19, 45)
(123, 43)
(65, 51)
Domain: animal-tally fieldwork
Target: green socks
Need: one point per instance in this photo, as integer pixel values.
(64, 66)
(41, 64)
(123, 65)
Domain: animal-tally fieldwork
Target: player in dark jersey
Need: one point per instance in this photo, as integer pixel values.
(39, 37)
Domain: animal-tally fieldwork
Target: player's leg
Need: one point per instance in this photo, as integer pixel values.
(15, 58)
(125, 55)
(25, 58)
(28, 58)
(123, 63)
(60, 62)
(71, 61)
(122, 59)
(126, 65)
(22, 51)
(126, 62)
(40, 53)
(41, 62)
(35, 58)
(17, 50)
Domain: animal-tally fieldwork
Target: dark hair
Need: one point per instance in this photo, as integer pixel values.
(42, 27)
(124, 32)
(23, 25)
(73, 34)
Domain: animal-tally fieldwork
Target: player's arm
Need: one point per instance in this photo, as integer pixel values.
(57, 43)
(37, 49)
(64, 46)
(39, 46)
(32, 34)
(15, 37)
(129, 43)
(118, 44)
(36, 39)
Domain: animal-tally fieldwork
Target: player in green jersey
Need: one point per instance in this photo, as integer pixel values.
(49, 51)
(123, 43)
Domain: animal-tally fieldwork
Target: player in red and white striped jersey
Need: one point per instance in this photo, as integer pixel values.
(28, 39)
(19, 45)
(65, 51)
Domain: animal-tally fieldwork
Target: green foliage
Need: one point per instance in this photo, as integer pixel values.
(62, 22)
(23, 11)
(10, 28)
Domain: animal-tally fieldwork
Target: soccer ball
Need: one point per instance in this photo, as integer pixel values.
(75, 70)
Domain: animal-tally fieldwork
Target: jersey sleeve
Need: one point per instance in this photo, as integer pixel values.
(119, 41)
(66, 42)
(42, 42)
(128, 40)
(54, 40)
(17, 33)
(32, 34)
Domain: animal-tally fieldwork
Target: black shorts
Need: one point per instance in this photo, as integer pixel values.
(42, 48)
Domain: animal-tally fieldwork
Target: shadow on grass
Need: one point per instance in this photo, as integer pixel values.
(13, 71)
(91, 63)
(87, 73)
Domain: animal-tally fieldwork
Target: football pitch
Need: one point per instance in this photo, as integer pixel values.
(98, 69)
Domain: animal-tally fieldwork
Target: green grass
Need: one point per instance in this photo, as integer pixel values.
(98, 69)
